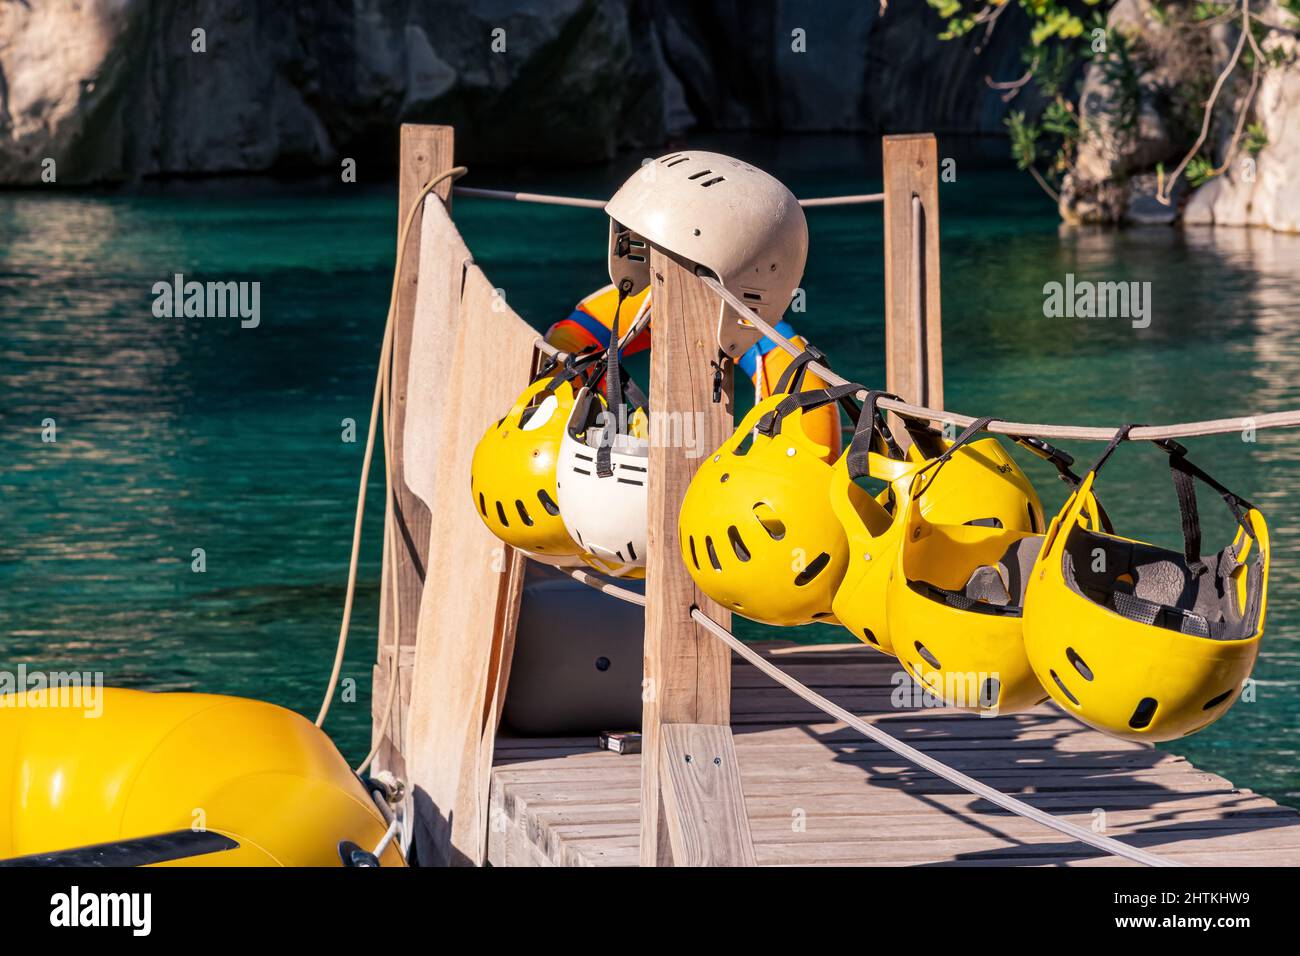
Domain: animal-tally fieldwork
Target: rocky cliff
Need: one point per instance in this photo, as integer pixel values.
(115, 90)
(1262, 190)
(1115, 176)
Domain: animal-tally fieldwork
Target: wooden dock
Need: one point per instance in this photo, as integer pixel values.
(781, 782)
(819, 793)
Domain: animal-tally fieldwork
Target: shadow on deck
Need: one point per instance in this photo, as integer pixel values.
(817, 792)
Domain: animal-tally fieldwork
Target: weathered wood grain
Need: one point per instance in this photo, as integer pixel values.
(687, 672)
(913, 327)
(815, 793)
(704, 806)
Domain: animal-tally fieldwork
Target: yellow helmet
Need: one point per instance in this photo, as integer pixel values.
(601, 478)
(1139, 641)
(956, 591)
(756, 529)
(512, 476)
(982, 486)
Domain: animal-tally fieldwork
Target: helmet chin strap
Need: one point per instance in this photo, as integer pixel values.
(613, 388)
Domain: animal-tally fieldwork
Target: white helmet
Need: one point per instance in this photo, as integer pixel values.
(725, 217)
(600, 482)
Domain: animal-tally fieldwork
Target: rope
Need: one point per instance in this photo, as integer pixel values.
(937, 767)
(390, 548)
(613, 590)
(1216, 426)
(860, 199)
(385, 363)
(388, 837)
(529, 197)
(889, 742)
(1288, 419)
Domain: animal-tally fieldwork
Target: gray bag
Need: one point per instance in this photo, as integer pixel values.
(577, 664)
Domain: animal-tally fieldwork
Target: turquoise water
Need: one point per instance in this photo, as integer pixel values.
(176, 434)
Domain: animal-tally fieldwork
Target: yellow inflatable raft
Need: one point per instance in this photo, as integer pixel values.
(241, 782)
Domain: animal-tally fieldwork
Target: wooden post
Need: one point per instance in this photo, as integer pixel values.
(688, 672)
(913, 331)
(425, 152)
(704, 805)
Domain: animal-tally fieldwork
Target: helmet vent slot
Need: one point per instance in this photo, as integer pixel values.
(985, 522)
(753, 296)
(501, 513)
(1064, 690)
(548, 502)
(713, 555)
(773, 525)
(1143, 713)
(1084, 670)
(482, 505)
(866, 632)
(737, 543)
(1216, 701)
(702, 172)
(715, 179)
(524, 516)
(814, 568)
(927, 656)
(631, 551)
(695, 558)
(674, 159)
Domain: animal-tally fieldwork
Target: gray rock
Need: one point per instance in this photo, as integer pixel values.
(112, 90)
(1141, 206)
(1099, 189)
(1262, 190)
(1114, 176)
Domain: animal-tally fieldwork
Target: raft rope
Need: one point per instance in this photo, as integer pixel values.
(388, 837)
(890, 742)
(860, 199)
(390, 548)
(378, 402)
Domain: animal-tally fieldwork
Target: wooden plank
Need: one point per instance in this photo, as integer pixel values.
(463, 614)
(913, 327)
(704, 806)
(425, 151)
(569, 818)
(560, 803)
(687, 672)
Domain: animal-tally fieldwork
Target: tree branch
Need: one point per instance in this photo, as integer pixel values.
(1164, 190)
